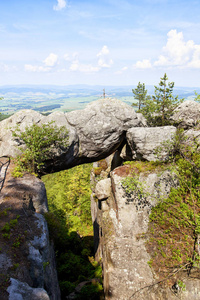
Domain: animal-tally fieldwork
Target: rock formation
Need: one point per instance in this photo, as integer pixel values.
(187, 114)
(120, 220)
(121, 232)
(94, 132)
(27, 260)
(144, 141)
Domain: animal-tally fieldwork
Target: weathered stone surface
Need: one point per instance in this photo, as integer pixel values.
(94, 132)
(32, 263)
(22, 291)
(120, 247)
(122, 235)
(187, 114)
(8, 144)
(103, 189)
(144, 141)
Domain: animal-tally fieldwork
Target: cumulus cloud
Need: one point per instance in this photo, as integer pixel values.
(47, 65)
(51, 60)
(176, 53)
(84, 68)
(60, 5)
(143, 64)
(104, 61)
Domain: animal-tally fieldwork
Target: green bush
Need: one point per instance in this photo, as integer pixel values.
(174, 231)
(42, 142)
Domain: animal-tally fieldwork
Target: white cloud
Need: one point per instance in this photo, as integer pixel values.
(176, 53)
(104, 61)
(143, 64)
(74, 66)
(73, 56)
(32, 68)
(104, 51)
(121, 71)
(47, 66)
(195, 61)
(51, 60)
(60, 5)
(7, 68)
(84, 68)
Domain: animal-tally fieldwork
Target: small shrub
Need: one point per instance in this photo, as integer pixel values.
(42, 143)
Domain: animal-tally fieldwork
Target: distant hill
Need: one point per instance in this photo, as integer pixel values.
(47, 98)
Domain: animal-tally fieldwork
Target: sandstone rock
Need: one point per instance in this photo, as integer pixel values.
(94, 132)
(34, 269)
(122, 235)
(187, 114)
(8, 144)
(103, 189)
(144, 141)
(120, 248)
(101, 126)
(22, 291)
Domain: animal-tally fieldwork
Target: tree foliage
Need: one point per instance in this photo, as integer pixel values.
(140, 94)
(42, 142)
(159, 108)
(70, 225)
(197, 98)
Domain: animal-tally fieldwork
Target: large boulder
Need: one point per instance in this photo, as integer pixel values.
(187, 114)
(144, 141)
(8, 144)
(94, 132)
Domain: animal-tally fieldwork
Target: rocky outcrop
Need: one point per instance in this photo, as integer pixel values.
(144, 141)
(94, 132)
(187, 114)
(121, 225)
(20, 290)
(27, 256)
(120, 220)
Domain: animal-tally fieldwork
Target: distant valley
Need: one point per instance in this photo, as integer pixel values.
(46, 99)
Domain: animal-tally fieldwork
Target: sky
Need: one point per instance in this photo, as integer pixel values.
(103, 42)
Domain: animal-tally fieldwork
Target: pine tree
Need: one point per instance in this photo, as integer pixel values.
(165, 102)
(140, 94)
(159, 108)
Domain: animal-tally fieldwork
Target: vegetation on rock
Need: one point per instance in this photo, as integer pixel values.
(174, 228)
(158, 108)
(70, 224)
(175, 222)
(42, 142)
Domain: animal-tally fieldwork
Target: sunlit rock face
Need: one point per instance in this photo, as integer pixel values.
(187, 114)
(144, 141)
(30, 265)
(121, 233)
(94, 132)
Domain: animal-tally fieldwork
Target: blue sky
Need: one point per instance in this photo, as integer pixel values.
(107, 42)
